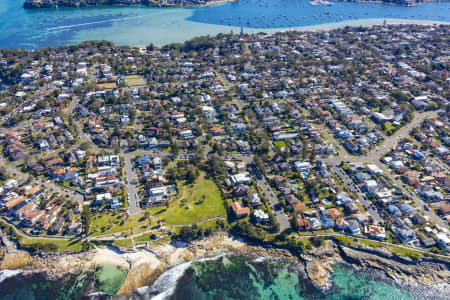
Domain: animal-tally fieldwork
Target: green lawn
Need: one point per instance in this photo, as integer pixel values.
(62, 245)
(203, 190)
(108, 223)
(389, 128)
(50, 245)
(280, 144)
(125, 243)
(135, 80)
(396, 250)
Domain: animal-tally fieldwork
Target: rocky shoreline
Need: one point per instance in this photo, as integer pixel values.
(146, 265)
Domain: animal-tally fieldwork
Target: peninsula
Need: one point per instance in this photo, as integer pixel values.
(33, 4)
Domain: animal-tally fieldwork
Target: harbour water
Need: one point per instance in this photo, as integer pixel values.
(138, 25)
(225, 277)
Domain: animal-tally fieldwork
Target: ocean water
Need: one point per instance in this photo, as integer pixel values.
(109, 279)
(20, 28)
(238, 277)
(38, 286)
(106, 280)
(225, 278)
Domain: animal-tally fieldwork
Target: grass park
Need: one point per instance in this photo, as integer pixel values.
(103, 224)
(195, 202)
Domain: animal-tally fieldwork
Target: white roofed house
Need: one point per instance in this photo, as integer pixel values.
(254, 199)
(302, 166)
(397, 164)
(261, 216)
(371, 186)
(372, 168)
(157, 195)
(210, 114)
(82, 72)
(43, 145)
(240, 178)
(443, 240)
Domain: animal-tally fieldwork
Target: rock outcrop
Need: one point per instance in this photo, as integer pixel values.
(138, 276)
(145, 265)
(317, 273)
(421, 271)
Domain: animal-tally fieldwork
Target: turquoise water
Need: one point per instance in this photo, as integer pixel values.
(225, 278)
(237, 277)
(109, 279)
(144, 25)
(38, 286)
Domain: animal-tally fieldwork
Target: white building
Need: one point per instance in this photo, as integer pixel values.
(302, 166)
(376, 232)
(443, 241)
(372, 168)
(240, 178)
(261, 216)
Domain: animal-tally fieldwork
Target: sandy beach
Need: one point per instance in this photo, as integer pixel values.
(325, 26)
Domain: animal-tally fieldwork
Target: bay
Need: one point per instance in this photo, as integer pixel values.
(139, 25)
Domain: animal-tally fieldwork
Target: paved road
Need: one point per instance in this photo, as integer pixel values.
(274, 203)
(402, 133)
(376, 154)
(268, 193)
(133, 198)
(355, 189)
(72, 105)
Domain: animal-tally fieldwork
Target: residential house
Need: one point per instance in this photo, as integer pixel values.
(239, 211)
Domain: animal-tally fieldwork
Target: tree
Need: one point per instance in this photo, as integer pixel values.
(260, 164)
(191, 175)
(86, 146)
(313, 152)
(216, 165)
(3, 173)
(86, 218)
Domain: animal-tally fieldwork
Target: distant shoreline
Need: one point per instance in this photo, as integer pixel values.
(327, 26)
(30, 4)
(404, 3)
(365, 23)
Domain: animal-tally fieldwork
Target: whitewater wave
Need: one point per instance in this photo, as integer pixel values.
(5, 274)
(165, 285)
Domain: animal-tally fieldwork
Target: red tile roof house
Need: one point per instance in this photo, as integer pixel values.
(239, 211)
(333, 212)
(303, 224)
(411, 178)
